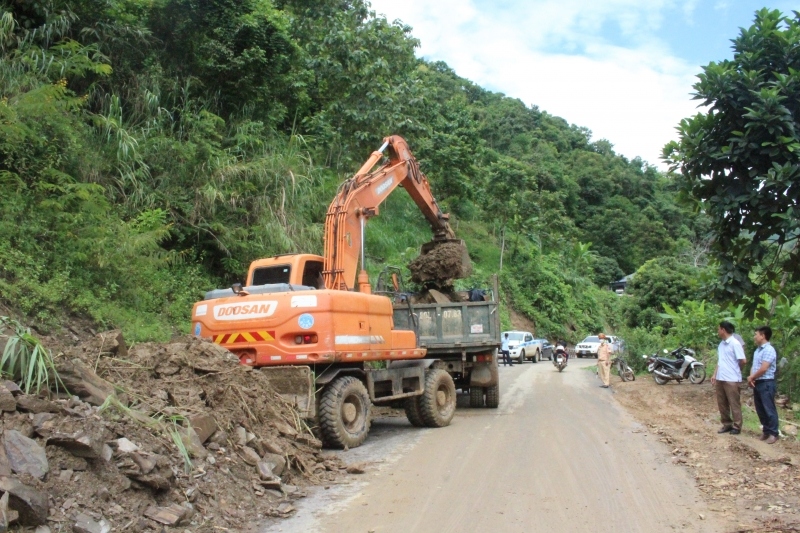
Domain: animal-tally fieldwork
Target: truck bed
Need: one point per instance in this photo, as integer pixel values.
(458, 327)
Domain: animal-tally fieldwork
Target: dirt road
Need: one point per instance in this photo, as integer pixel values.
(559, 455)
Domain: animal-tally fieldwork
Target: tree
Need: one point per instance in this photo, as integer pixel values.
(740, 160)
(664, 280)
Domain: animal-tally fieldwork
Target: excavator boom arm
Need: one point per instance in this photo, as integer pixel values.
(359, 197)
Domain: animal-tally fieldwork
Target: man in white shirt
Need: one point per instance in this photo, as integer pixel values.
(727, 377)
(505, 351)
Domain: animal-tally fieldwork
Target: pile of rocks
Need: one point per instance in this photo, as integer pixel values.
(160, 436)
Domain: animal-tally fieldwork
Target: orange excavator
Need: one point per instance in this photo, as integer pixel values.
(308, 312)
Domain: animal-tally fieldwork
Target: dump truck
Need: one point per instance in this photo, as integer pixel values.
(331, 346)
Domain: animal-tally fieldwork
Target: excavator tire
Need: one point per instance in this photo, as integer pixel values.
(476, 396)
(493, 396)
(437, 404)
(344, 413)
(411, 407)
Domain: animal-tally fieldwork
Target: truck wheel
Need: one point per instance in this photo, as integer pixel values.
(476, 396)
(437, 404)
(411, 407)
(521, 357)
(493, 396)
(344, 413)
(537, 357)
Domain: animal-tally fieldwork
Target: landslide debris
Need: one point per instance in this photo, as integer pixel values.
(157, 435)
(441, 265)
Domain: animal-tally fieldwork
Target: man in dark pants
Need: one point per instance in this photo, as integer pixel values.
(762, 379)
(506, 352)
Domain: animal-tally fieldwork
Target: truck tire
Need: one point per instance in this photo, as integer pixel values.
(437, 405)
(344, 413)
(537, 356)
(493, 396)
(476, 396)
(521, 357)
(411, 407)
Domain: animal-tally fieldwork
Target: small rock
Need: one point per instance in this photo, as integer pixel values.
(790, 429)
(79, 444)
(85, 524)
(272, 447)
(12, 387)
(357, 468)
(250, 437)
(219, 437)
(31, 504)
(309, 440)
(204, 426)
(285, 508)
(4, 512)
(42, 529)
(25, 455)
(43, 424)
(192, 442)
(169, 516)
(32, 404)
(265, 470)
(250, 456)
(126, 446)
(701, 516)
(213, 446)
(65, 476)
(7, 401)
(107, 453)
(241, 436)
(276, 462)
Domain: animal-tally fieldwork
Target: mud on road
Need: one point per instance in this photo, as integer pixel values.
(753, 485)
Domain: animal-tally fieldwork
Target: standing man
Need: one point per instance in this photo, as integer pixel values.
(726, 379)
(604, 361)
(504, 350)
(762, 379)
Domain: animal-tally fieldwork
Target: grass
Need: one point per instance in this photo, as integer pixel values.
(25, 359)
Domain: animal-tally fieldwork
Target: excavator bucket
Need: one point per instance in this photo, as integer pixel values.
(441, 262)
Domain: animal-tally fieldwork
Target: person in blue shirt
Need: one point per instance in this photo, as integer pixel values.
(505, 351)
(727, 378)
(762, 380)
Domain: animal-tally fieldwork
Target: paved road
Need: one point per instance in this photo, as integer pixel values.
(558, 455)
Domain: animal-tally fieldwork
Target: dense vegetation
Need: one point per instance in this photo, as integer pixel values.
(150, 149)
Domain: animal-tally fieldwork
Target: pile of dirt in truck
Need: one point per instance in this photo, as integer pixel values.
(154, 436)
(441, 265)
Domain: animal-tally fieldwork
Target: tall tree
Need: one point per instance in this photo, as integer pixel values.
(741, 158)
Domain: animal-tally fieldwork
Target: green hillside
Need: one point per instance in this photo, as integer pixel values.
(150, 149)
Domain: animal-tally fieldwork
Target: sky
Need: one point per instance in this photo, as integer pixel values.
(622, 68)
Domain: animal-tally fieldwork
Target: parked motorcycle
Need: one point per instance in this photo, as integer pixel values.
(560, 358)
(625, 372)
(684, 366)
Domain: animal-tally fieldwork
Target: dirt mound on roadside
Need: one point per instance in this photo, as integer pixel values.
(187, 438)
(442, 265)
(745, 480)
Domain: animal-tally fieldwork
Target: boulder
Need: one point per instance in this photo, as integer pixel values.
(79, 444)
(24, 454)
(31, 504)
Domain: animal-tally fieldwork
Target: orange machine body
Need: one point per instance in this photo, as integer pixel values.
(302, 325)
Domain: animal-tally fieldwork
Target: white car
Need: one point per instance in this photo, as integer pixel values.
(523, 346)
(588, 346)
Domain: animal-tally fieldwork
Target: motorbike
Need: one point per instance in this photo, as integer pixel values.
(624, 371)
(684, 366)
(560, 359)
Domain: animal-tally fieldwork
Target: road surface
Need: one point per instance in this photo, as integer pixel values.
(558, 455)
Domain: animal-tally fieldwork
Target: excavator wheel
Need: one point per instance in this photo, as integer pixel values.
(344, 413)
(437, 404)
(476, 396)
(411, 407)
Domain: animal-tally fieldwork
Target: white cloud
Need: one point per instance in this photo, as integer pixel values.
(556, 54)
